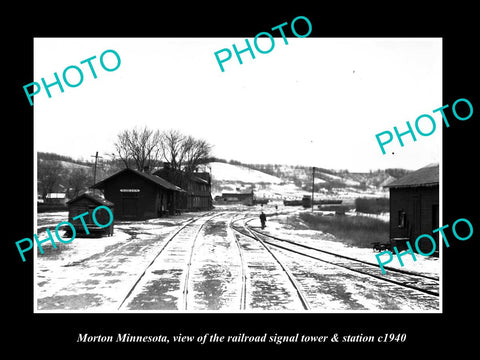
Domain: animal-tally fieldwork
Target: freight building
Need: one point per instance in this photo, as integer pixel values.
(414, 208)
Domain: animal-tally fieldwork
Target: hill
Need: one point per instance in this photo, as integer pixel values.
(226, 172)
(273, 181)
(287, 182)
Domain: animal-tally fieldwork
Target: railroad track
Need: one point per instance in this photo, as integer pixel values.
(426, 284)
(243, 286)
(299, 292)
(261, 280)
(247, 269)
(180, 245)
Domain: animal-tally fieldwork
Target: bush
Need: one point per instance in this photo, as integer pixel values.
(334, 207)
(360, 231)
(51, 207)
(372, 205)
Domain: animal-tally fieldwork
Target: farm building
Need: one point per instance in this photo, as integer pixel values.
(87, 203)
(414, 208)
(56, 198)
(197, 188)
(138, 195)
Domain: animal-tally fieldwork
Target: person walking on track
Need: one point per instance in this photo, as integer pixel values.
(263, 219)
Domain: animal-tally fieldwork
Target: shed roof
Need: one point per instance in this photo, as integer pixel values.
(151, 178)
(426, 176)
(191, 176)
(198, 179)
(95, 198)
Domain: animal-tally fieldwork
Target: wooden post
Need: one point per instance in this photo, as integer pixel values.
(95, 167)
(313, 184)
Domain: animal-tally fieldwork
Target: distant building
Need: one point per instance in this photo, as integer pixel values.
(245, 198)
(56, 198)
(197, 193)
(414, 208)
(139, 195)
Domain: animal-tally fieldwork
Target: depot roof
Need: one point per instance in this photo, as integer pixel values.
(152, 178)
(426, 176)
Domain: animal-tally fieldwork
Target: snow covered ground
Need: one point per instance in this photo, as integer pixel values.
(278, 226)
(96, 274)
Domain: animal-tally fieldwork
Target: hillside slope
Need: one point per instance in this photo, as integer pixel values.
(237, 173)
(274, 181)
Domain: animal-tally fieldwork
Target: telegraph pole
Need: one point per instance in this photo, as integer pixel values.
(313, 184)
(95, 167)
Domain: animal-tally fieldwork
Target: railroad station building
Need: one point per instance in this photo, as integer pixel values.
(414, 208)
(138, 195)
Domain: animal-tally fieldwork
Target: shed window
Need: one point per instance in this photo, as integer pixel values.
(401, 218)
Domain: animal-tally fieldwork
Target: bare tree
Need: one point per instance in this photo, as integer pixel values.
(172, 143)
(138, 147)
(49, 173)
(79, 179)
(144, 147)
(184, 152)
(197, 152)
(122, 148)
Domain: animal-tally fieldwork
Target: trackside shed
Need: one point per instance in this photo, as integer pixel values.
(414, 208)
(88, 203)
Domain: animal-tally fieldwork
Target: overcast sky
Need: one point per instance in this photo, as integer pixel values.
(315, 102)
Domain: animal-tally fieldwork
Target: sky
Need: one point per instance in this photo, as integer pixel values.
(314, 102)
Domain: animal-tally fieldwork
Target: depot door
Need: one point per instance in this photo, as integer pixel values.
(130, 206)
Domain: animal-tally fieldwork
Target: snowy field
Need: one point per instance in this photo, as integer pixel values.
(95, 274)
(278, 226)
(76, 276)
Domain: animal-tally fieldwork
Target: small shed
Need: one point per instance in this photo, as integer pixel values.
(414, 208)
(87, 203)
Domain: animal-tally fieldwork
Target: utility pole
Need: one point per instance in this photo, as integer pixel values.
(95, 168)
(313, 184)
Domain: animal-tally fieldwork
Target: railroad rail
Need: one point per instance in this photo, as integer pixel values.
(184, 228)
(420, 282)
(298, 288)
(243, 288)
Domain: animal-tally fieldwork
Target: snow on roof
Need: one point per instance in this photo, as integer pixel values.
(426, 176)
